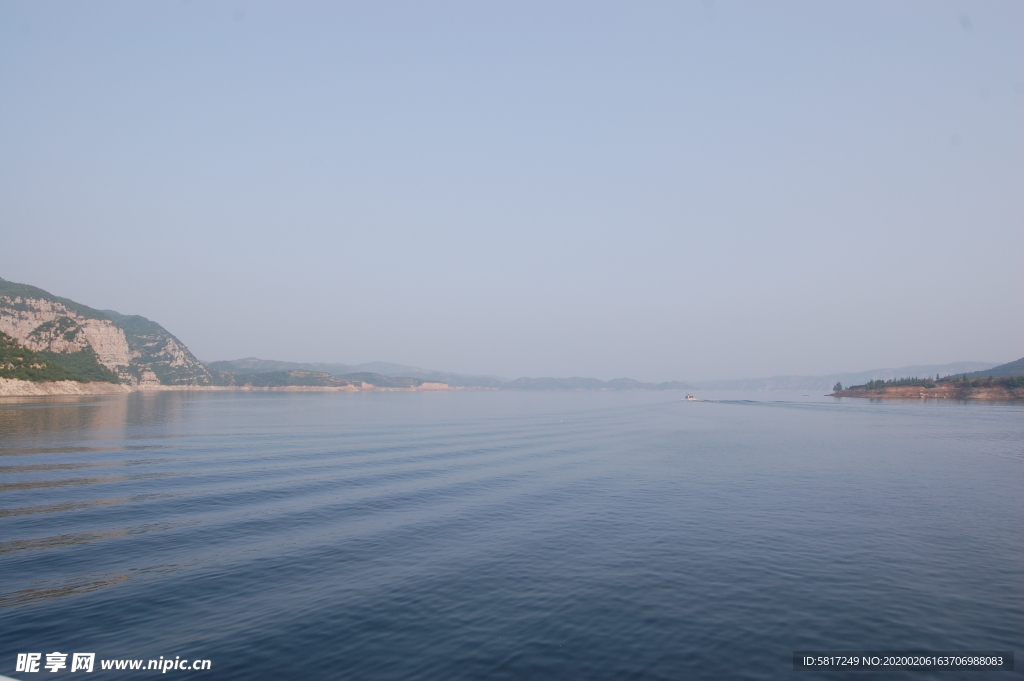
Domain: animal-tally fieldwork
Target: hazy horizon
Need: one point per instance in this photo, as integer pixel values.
(714, 190)
(393, 367)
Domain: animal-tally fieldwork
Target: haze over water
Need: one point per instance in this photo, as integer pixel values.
(507, 535)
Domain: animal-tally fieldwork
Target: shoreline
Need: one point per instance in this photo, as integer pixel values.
(946, 391)
(13, 387)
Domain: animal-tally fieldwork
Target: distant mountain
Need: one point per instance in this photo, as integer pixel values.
(278, 379)
(49, 336)
(577, 383)
(374, 372)
(1007, 370)
(382, 369)
(574, 383)
(98, 345)
(254, 365)
(826, 382)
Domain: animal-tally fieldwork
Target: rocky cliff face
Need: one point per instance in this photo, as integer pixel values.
(157, 355)
(138, 350)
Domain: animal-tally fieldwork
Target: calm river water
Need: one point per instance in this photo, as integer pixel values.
(506, 535)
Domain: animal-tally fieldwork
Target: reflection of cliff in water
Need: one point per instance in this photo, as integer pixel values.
(95, 418)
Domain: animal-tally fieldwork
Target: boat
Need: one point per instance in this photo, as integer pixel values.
(690, 397)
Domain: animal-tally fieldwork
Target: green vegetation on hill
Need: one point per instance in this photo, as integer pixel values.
(393, 377)
(276, 379)
(254, 365)
(966, 381)
(280, 379)
(961, 381)
(84, 364)
(17, 361)
(894, 382)
(383, 381)
(12, 289)
(149, 342)
(1015, 368)
(135, 325)
(61, 326)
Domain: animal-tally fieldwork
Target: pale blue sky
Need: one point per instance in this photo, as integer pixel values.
(655, 190)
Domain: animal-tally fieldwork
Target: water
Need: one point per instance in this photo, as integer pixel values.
(506, 535)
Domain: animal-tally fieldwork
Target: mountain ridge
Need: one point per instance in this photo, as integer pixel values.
(1008, 370)
(105, 345)
(387, 369)
(256, 365)
(134, 349)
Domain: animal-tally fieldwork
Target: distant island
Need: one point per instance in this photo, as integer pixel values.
(1003, 382)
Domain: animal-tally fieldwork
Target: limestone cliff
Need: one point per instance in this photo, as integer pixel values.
(137, 350)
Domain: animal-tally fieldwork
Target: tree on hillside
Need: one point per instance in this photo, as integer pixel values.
(837, 387)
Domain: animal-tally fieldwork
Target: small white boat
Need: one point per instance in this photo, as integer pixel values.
(690, 397)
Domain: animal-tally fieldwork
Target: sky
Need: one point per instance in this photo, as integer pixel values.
(659, 190)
